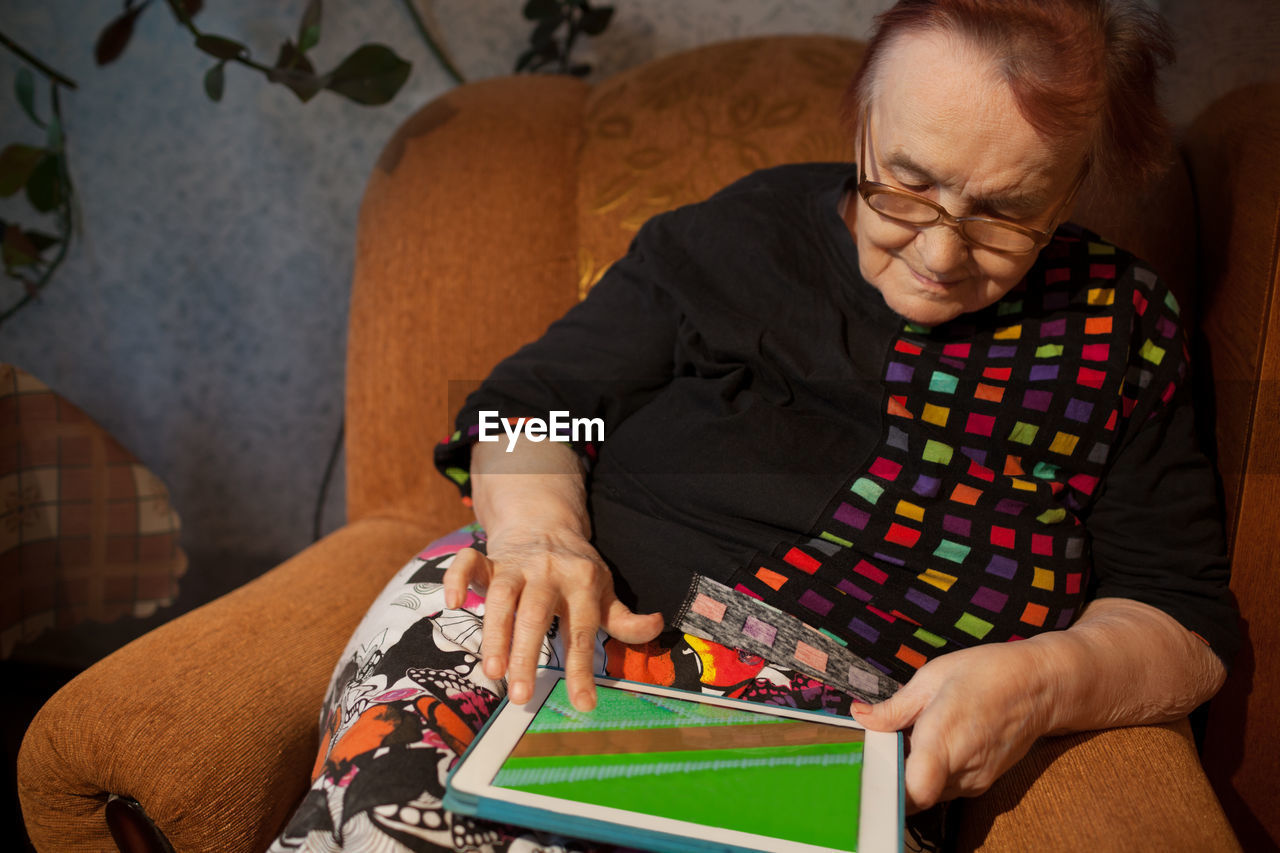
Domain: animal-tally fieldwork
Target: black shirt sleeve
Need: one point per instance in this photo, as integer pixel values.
(1156, 527)
(601, 361)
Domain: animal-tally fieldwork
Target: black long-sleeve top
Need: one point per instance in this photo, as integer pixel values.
(772, 426)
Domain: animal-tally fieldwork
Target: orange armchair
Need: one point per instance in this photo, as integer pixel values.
(490, 213)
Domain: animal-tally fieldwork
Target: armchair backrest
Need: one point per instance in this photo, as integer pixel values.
(466, 248)
(1233, 153)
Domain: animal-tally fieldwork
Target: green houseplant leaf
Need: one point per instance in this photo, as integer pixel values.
(542, 33)
(19, 251)
(114, 38)
(44, 187)
(371, 75)
(41, 240)
(219, 47)
(215, 82)
(24, 86)
(295, 71)
(536, 9)
(595, 20)
(17, 162)
(184, 10)
(309, 29)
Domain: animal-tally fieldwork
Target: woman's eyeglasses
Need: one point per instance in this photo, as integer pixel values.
(907, 208)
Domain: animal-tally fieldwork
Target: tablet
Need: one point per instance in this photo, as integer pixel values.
(671, 770)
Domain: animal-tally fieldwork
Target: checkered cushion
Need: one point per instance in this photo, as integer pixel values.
(86, 531)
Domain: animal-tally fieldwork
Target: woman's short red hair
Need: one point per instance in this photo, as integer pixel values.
(1068, 63)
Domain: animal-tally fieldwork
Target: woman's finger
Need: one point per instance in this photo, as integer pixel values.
(895, 713)
(925, 773)
(626, 626)
(500, 603)
(538, 604)
(467, 565)
(579, 636)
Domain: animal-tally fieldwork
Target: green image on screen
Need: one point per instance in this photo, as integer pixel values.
(784, 778)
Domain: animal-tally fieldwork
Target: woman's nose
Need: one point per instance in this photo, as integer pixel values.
(942, 250)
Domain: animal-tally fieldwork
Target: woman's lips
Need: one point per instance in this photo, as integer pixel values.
(933, 283)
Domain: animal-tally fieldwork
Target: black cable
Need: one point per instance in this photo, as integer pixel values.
(328, 477)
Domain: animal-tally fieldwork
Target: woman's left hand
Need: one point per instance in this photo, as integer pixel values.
(972, 714)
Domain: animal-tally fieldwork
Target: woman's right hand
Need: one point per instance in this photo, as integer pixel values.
(539, 564)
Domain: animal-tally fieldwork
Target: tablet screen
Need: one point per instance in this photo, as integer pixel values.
(789, 779)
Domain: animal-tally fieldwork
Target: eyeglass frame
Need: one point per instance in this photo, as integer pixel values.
(868, 188)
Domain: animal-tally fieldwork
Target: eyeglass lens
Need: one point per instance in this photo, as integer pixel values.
(913, 211)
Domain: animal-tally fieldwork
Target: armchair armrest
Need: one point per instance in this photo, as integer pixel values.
(210, 721)
(1139, 788)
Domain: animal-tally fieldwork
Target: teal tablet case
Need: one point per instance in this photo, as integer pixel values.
(574, 826)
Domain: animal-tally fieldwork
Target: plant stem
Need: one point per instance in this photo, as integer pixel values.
(431, 43)
(22, 54)
(257, 66)
(569, 40)
(33, 289)
(180, 10)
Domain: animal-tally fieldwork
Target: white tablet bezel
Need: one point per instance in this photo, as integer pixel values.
(880, 815)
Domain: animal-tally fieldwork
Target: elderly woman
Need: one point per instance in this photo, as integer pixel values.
(887, 420)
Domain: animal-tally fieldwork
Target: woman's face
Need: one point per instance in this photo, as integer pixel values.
(943, 125)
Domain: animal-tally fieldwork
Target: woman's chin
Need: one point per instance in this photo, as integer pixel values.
(924, 310)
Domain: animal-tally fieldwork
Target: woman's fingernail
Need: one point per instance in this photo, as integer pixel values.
(519, 692)
(493, 667)
(451, 600)
(584, 700)
(861, 708)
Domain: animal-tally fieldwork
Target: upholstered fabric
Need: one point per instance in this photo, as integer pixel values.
(1093, 792)
(1234, 149)
(210, 721)
(465, 250)
(86, 530)
(676, 130)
